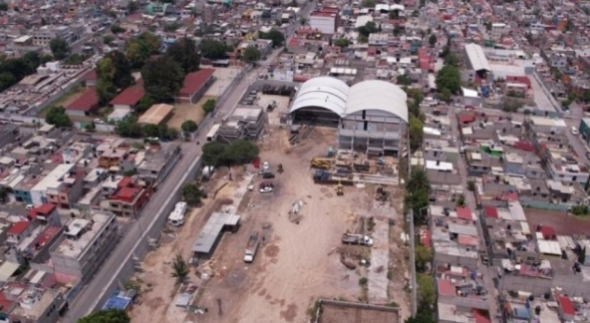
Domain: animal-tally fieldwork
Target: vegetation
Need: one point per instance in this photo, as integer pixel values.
(209, 106)
(426, 292)
(116, 29)
(76, 59)
(113, 74)
(423, 257)
(582, 255)
(213, 49)
(448, 78)
(13, 70)
(184, 52)
(471, 186)
(162, 78)
(139, 49)
(108, 316)
(403, 79)
(276, 36)
(461, 200)
(368, 3)
(342, 42)
(236, 153)
(418, 188)
(251, 54)
(189, 126)
(423, 315)
(445, 95)
(57, 116)
(192, 194)
(4, 191)
(59, 48)
(416, 128)
(180, 269)
(432, 40)
(369, 28)
(129, 128)
(363, 281)
(580, 210)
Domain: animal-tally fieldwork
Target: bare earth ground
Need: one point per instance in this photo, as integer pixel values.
(337, 314)
(158, 288)
(223, 78)
(64, 100)
(562, 223)
(187, 111)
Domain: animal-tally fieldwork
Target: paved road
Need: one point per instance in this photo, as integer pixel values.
(88, 299)
(472, 204)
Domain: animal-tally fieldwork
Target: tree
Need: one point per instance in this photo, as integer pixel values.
(113, 74)
(116, 29)
(368, 4)
(452, 59)
(423, 256)
(369, 28)
(449, 78)
(426, 291)
(418, 181)
(209, 106)
(212, 152)
(403, 79)
(179, 269)
(276, 36)
(57, 116)
(132, 7)
(461, 200)
(59, 48)
(162, 78)
(236, 153)
(129, 128)
(342, 42)
(144, 104)
(138, 50)
(4, 191)
(108, 39)
(192, 195)
(108, 316)
(189, 126)
(416, 128)
(251, 54)
(302, 21)
(184, 52)
(432, 40)
(445, 95)
(418, 201)
(213, 49)
(471, 186)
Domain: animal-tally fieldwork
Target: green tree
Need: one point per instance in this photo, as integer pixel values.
(213, 49)
(113, 74)
(108, 316)
(59, 48)
(302, 21)
(108, 39)
(452, 59)
(189, 126)
(342, 42)
(432, 40)
(180, 269)
(418, 201)
(162, 78)
(138, 50)
(461, 200)
(116, 29)
(276, 36)
(423, 256)
(144, 104)
(32, 60)
(129, 128)
(132, 7)
(213, 152)
(209, 106)
(418, 181)
(426, 291)
(369, 28)
(368, 3)
(192, 195)
(445, 95)
(57, 116)
(241, 152)
(184, 52)
(449, 78)
(251, 54)
(416, 128)
(403, 79)
(471, 186)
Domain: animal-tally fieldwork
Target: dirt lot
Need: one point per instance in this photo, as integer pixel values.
(340, 314)
(158, 288)
(223, 78)
(187, 111)
(562, 223)
(64, 100)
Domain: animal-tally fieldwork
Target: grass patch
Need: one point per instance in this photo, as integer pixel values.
(61, 101)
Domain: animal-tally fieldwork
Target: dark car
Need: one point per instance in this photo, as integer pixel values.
(268, 175)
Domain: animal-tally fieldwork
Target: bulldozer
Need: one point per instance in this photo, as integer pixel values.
(321, 163)
(339, 189)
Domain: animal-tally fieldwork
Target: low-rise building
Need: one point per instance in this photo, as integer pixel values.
(130, 197)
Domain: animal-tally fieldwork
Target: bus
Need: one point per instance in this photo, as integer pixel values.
(212, 135)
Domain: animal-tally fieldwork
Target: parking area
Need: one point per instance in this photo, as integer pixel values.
(279, 103)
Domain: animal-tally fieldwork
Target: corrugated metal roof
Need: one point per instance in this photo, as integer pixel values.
(477, 57)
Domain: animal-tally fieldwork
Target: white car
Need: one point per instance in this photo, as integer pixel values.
(575, 131)
(265, 167)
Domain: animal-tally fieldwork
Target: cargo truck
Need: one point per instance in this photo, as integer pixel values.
(357, 239)
(251, 248)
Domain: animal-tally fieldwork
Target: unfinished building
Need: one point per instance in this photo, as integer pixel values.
(371, 116)
(246, 122)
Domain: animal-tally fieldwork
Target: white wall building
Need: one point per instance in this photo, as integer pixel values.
(53, 180)
(324, 22)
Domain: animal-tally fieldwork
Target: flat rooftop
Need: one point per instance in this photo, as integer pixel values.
(34, 302)
(80, 233)
(213, 228)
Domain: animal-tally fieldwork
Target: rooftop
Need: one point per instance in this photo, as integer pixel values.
(156, 114)
(213, 228)
(80, 233)
(33, 303)
(194, 82)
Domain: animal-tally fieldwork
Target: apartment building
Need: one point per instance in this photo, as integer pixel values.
(498, 30)
(62, 186)
(130, 196)
(45, 34)
(156, 162)
(33, 304)
(83, 247)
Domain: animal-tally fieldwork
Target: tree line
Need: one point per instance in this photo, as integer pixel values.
(13, 70)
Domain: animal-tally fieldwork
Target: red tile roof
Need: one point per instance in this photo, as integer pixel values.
(491, 212)
(125, 181)
(85, 102)
(46, 236)
(464, 213)
(130, 96)
(193, 82)
(566, 305)
(445, 287)
(548, 232)
(19, 227)
(44, 209)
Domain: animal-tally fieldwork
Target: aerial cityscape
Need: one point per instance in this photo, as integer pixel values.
(294, 161)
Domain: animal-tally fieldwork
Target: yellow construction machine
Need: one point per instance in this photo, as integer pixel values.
(321, 163)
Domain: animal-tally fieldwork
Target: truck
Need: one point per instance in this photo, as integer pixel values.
(251, 248)
(176, 217)
(357, 239)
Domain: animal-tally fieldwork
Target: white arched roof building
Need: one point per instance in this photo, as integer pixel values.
(334, 95)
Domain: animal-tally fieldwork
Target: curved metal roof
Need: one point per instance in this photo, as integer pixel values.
(377, 95)
(332, 94)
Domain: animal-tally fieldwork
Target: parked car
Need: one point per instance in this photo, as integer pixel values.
(575, 131)
(266, 187)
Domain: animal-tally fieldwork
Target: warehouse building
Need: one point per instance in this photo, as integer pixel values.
(371, 116)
